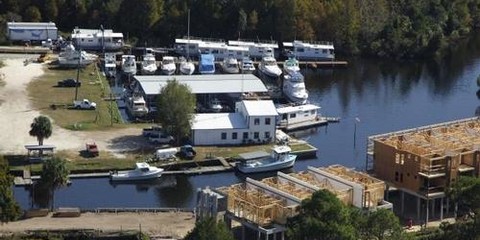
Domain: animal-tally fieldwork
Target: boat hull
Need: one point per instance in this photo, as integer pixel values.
(133, 176)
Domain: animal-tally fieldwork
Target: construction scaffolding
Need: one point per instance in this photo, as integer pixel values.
(426, 160)
(273, 200)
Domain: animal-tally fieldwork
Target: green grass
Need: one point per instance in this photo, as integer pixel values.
(44, 94)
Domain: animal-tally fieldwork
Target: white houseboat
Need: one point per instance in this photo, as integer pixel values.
(299, 116)
(304, 50)
(257, 50)
(97, 39)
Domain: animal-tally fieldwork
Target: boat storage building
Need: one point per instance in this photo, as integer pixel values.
(32, 31)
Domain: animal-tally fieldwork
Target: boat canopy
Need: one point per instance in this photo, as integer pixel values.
(253, 155)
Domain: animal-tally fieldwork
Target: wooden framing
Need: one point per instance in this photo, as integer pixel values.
(427, 160)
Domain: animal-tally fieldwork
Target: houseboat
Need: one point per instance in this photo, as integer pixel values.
(296, 117)
(303, 50)
(97, 39)
(258, 49)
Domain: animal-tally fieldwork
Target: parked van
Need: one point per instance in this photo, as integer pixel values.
(165, 153)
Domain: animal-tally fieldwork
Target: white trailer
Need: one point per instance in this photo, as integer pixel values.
(32, 31)
(166, 153)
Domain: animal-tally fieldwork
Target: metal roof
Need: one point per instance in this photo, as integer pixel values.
(214, 83)
(260, 107)
(253, 155)
(40, 147)
(218, 121)
(31, 25)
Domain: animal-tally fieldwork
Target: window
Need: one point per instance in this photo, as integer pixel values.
(245, 135)
(396, 176)
(401, 177)
(256, 135)
(267, 121)
(293, 115)
(256, 121)
(234, 135)
(312, 112)
(267, 134)
(224, 135)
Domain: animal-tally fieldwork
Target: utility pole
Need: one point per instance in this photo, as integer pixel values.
(78, 73)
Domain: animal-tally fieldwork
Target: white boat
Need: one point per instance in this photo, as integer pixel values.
(291, 65)
(257, 49)
(246, 66)
(230, 65)
(305, 50)
(110, 65)
(215, 105)
(254, 162)
(142, 171)
(136, 106)
(292, 117)
(168, 65)
(269, 67)
(149, 63)
(206, 65)
(71, 58)
(129, 65)
(186, 67)
(294, 88)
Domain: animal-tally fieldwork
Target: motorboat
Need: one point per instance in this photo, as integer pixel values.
(215, 105)
(260, 161)
(168, 65)
(230, 65)
(142, 171)
(294, 88)
(206, 64)
(291, 65)
(72, 58)
(129, 65)
(110, 65)
(269, 67)
(136, 106)
(186, 67)
(149, 64)
(246, 65)
(310, 50)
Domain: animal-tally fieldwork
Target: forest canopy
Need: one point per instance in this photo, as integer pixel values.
(386, 28)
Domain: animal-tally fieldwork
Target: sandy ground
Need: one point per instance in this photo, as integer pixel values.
(173, 224)
(17, 114)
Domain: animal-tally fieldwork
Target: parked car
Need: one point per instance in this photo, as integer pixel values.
(69, 82)
(91, 149)
(84, 104)
(161, 138)
(187, 152)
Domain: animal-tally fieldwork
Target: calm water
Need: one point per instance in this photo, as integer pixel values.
(385, 96)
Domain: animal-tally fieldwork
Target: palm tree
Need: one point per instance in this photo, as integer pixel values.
(41, 128)
(54, 176)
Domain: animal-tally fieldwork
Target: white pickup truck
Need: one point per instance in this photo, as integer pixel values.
(161, 138)
(84, 104)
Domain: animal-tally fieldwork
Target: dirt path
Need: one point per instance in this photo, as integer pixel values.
(175, 224)
(17, 114)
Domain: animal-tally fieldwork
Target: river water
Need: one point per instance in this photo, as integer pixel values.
(370, 97)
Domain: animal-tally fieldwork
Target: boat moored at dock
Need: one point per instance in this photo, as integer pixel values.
(295, 117)
(142, 171)
(254, 162)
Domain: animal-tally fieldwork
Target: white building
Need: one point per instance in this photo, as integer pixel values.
(31, 31)
(252, 122)
(95, 39)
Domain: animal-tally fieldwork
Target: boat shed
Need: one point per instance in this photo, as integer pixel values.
(150, 85)
(31, 31)
(252, 122)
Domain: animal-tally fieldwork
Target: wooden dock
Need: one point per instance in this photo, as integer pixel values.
(308, 124)
(26, 50)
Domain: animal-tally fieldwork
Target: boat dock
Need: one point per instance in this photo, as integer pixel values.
(23, 49)
(307, 124)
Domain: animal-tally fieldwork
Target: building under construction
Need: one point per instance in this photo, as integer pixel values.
(424, 162)
(265, 205)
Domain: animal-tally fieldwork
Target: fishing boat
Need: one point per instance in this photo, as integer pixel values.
(168, 65)
(260, 161)
(149, 63)
(294, 88)
(246, 66)
(142, 171)
(291, 65)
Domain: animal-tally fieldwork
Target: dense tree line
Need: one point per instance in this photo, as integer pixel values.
(395, 28)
